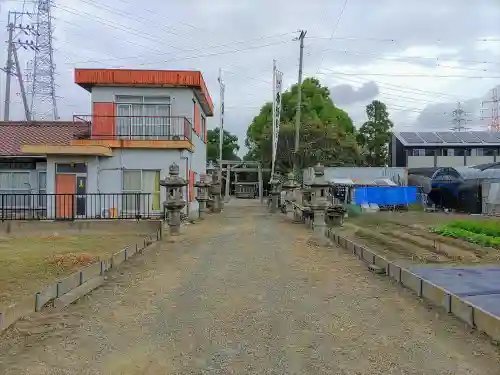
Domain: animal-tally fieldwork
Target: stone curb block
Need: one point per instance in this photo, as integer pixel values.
(17, 311)
(77, 293)
(472, 315)
(70, 282)
(91, 271)
(45, 296)
(487, 323)
(462, 310)
(87, 276)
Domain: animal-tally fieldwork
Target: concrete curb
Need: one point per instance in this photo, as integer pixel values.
(474, 316)
(70, 288)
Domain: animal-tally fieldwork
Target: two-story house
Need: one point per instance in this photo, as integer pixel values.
(141, 122)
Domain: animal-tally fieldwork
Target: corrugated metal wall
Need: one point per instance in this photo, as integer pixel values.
(362, 175)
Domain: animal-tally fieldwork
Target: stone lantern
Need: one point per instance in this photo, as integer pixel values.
(175, 201)
(290, 186)
(319, 201)
(215, 192)
(202, 186)
(275, 194)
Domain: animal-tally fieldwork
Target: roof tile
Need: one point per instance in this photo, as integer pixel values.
(13, 134)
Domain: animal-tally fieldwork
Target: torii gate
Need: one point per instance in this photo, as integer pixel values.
(229, 166)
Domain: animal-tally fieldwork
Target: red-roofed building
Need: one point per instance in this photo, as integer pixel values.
(141, 122)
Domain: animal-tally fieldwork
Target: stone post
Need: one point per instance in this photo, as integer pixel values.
(202, 186)
(175, 201)
(290, 187)
(215, 192)
(319, 202)
(275, 193)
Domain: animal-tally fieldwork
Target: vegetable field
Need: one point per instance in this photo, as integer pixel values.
(484, 233)
(419, 237)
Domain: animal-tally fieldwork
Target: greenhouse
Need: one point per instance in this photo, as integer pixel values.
(461, 188)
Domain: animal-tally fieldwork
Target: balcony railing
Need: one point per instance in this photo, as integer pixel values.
(166, 128)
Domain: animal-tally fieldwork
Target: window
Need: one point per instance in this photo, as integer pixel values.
(42, 189)
(203, 128)
(422, 152)
(485, 152)
(144, 183)
(456, 152)
(462, 152)
(15, 183)
(143, 117)
(71, 168)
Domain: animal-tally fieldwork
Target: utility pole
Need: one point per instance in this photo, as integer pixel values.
(299, 103)
(13, 59)
(494, 125)
(458, 118)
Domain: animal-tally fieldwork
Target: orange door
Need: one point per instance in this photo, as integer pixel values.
(65, 198)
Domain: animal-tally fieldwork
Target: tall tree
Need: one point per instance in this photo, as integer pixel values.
(375, 134)
(323, 125)
(230, 145)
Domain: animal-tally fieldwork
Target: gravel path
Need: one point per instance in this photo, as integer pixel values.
(244, 293)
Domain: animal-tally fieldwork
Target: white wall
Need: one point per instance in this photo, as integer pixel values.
(104, 174)
(420, 161)
(474, 160)
(181, 99)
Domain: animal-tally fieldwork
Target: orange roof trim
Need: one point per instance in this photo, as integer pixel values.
(87, 78)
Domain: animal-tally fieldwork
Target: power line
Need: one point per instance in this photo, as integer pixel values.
(393, 57)
(392, 40)
(398, 87)
(180, 57)
(337, 23)
(415, 75)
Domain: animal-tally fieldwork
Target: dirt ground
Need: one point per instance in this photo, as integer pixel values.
(246, 292)
(32, 260)
(405, 237)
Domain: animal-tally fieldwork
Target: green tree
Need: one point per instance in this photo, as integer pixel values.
(230, 145)
(375, 134)
(326, 134)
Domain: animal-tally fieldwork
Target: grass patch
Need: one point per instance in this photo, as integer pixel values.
(30, 263)
(485, 233)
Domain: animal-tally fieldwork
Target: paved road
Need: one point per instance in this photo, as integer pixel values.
(244, 293)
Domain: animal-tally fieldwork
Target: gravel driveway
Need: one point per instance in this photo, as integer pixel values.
(244, 293)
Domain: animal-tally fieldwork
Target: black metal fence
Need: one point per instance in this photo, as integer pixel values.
(80, 206)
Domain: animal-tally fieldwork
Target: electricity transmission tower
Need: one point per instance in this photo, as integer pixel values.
(459, 119)
(43, 86)
(494, 124)
(16, 29)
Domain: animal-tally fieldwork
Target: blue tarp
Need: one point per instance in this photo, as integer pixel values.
(385, 195)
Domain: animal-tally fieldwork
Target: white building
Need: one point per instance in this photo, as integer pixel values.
(110, 161)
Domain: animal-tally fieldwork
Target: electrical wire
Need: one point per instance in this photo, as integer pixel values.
(339, 18)
(414, 75)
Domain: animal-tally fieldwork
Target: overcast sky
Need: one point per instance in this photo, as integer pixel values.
(366, 50)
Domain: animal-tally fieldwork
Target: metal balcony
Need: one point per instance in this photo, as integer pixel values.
(149, 128)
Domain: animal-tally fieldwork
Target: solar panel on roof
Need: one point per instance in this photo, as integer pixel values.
(448, 137)
(411, 137)
(467, 137)
(430, 137)
(486, 137)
